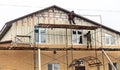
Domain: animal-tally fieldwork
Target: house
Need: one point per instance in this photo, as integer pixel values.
(44, 40)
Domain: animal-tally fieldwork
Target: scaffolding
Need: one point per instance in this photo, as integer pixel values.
(92, 61)
(19, 41)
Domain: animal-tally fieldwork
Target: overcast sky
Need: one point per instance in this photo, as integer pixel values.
(107, 10)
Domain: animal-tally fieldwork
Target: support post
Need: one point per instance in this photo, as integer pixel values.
(39, 60)
(66, 51)
(109, 59)
(34, 57)
(102, 43)
(71, 49)
(96, 51)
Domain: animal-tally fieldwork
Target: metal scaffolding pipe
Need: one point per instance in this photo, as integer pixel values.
(109, 59)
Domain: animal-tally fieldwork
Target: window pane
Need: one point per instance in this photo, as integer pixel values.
(107, 40)
(36, 35)
(110, 67)
(80, 39)
(74, 32)
(74, 38)
(53, 67)
(43, 35)
(36, 31)
(79, 32)
(56, 67)
(110, 40)
(49, 66)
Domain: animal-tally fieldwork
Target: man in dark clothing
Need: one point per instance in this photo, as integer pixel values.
(88, 36)
(71, 16)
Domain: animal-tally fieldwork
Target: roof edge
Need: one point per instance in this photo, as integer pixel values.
(4, 30)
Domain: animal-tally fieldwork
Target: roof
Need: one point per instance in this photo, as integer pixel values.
(8, 25)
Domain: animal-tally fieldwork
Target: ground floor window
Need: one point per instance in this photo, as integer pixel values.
(110, 66)
(53, 67)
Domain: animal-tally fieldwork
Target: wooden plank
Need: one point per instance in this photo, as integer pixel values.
(57, 49)
(67, 26)
(4, 42)
(22, 36)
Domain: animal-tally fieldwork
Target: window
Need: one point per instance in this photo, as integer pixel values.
(53, 67)
(110, 66)
(40, 35)
(110, 40)
(36, 36)
(77, 37)
(80, 65)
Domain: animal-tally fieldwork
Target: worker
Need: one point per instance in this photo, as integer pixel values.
(88, 36)
(71, 16)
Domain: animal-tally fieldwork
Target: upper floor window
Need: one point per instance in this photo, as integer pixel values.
(109, 39)
(40, 35)
(53, 67)
(77, 37)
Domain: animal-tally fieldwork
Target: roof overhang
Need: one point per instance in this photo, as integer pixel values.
(5, 29)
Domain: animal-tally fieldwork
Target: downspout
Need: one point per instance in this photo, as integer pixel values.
(39, 60)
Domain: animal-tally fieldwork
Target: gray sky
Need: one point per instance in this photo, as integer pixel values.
(107, 10)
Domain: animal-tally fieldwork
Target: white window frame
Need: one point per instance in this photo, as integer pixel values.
(54, 66)
(76, 37)
(42, 35)
(109, 39)
(38, 36)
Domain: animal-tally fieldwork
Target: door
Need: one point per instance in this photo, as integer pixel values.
(79, 67)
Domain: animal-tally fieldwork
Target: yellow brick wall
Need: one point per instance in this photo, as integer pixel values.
(16, 60)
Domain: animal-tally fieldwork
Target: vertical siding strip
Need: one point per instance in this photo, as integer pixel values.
(27, 21)
(48, 17)
(44, 18)
(54, 15)
(32, 20)
(22, 21)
